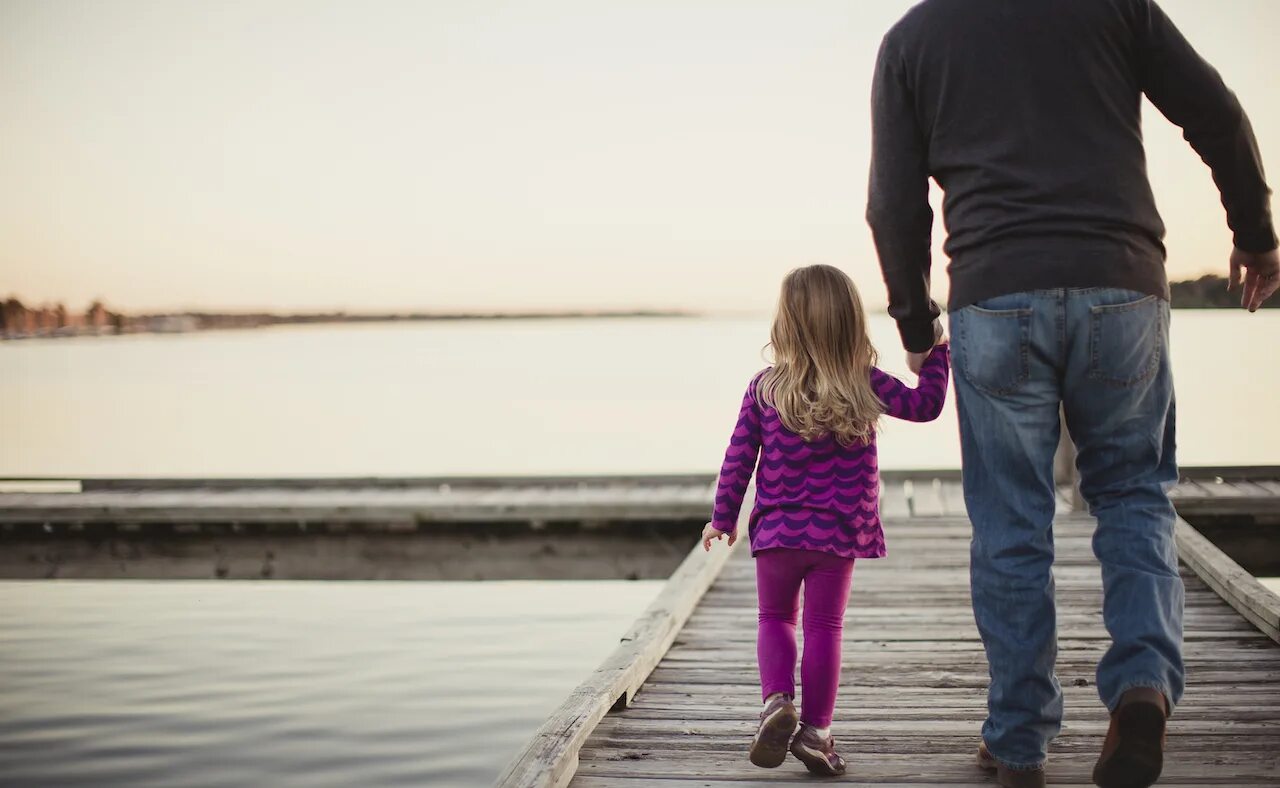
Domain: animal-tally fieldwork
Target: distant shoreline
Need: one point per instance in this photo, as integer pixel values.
(56, 323)
(1208, 292)
(18, 321)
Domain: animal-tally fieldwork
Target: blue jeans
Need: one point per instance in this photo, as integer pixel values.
(1103, 355)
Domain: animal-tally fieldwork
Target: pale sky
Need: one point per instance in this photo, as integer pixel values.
(300, 154)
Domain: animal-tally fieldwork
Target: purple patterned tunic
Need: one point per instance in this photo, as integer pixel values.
(819, 495)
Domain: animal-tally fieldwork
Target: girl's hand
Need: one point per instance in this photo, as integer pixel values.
(710, 532)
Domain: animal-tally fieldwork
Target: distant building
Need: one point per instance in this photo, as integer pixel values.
(19, 320)
(170, 324)
(98, 317)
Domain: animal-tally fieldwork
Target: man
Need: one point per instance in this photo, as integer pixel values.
(1027, 114)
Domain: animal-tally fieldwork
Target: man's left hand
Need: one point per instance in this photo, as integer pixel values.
(915, 361)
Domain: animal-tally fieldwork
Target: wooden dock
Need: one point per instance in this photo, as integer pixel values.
(354, 501)
(57, 505)
(914, 684)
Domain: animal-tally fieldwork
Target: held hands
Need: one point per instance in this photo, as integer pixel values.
(915, 361)
(710, 532)
(1261, 277)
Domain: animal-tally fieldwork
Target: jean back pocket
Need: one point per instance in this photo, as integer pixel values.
(1126, 341)
(992, 347)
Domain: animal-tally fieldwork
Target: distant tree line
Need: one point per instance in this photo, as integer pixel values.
(54, 320)
(18, 320)
(1208, 292)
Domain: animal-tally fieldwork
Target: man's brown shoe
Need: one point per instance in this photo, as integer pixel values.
(818, 755)
(1006, 777)
(777, 723)
(1133, 753)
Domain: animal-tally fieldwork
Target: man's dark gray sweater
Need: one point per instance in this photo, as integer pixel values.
(1027, 114)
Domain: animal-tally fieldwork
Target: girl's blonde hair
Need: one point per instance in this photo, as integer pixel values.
(820, 382)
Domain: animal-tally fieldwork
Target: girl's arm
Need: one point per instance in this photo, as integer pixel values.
(739, 462)
(922, 403)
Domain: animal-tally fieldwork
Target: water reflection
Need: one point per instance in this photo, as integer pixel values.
(159, 683)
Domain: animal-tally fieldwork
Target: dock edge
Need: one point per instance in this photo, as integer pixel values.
(1229, 580)
(550, 758)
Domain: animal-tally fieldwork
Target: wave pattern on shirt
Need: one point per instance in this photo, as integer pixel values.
(817, 495)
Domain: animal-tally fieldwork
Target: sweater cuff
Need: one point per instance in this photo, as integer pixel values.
(917, 337)
(723, 526)
(1257, 241)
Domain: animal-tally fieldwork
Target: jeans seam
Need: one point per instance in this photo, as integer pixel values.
(1107, 309)
(1060, 319)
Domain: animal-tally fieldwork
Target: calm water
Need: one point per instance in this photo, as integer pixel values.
(590, 396)
(135, 684)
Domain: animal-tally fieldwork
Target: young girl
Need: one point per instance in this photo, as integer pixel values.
(814, 414)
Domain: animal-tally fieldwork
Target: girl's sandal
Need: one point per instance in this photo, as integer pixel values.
(819, 756)
(777, 723)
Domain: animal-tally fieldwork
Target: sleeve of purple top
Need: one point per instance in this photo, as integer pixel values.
(739, 462)
(922, 403)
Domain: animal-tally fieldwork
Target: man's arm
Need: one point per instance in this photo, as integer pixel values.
(1191, 94)
(898, 202)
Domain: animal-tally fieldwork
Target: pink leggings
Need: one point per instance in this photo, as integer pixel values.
(826, 578)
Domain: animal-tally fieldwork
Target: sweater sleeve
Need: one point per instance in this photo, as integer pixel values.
(922, 403)
(1191, 94)
(739, 462)
(898, 201)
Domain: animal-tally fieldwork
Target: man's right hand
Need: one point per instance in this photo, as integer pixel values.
(1261, 276)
